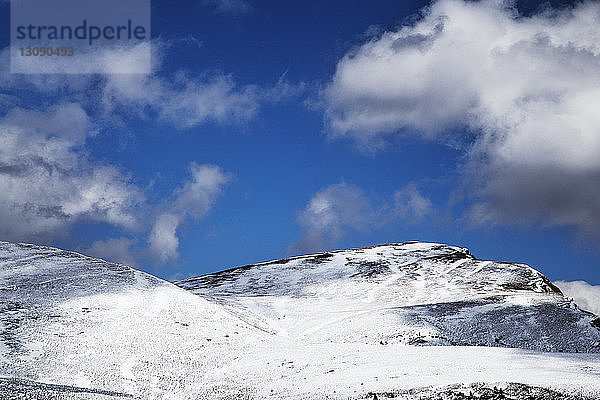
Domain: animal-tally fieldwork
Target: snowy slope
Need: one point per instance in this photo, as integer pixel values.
(339, 325)
(73, 320)
(410, 293)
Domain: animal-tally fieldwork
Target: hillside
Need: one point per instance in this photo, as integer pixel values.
(409, 320)
(409, 293)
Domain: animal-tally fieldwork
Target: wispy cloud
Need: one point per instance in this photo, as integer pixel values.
(193, 200)
(182, 100)
(122, 250)
(521, 89)
(329, 213)
(340, 208)
(411, 205)
(163, 241)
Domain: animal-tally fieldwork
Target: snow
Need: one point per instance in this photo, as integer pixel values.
(359, 369)
(4, 350)
(337, 326)
(402, 293)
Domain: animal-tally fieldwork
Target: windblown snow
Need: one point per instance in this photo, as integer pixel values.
(339, 325)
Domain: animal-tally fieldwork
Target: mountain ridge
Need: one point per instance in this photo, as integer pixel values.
(325, 253)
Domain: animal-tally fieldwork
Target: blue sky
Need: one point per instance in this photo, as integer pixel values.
(275, 128)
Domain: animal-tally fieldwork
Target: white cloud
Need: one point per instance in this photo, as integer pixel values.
(68, 121)
(219, 99)
(199, 194)
(120, 250)
(193, 200)
(283, 90)
(329, 213)
(411, 205)
(586, 296)
(182, 100)
(163, 238)
(341, 207)
(46, 182)
(525, 89)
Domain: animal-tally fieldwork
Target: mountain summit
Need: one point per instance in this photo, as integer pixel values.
(407, 320)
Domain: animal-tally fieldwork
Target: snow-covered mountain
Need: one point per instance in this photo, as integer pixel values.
(409, 293)
(72, 320)
(409, 320)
